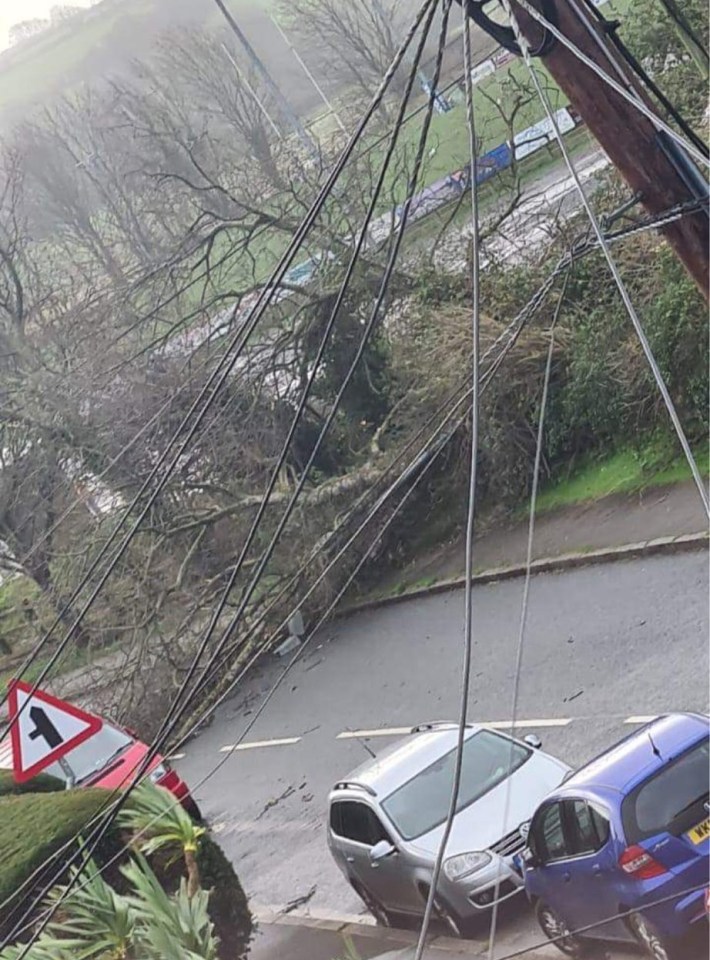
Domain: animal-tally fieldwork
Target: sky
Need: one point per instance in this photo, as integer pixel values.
(13, 10)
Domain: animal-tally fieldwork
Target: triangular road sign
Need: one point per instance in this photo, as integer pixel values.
(44, 729)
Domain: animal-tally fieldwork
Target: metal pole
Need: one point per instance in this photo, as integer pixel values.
(252, 91)
(304, 67)
(441, 105)
(260, 67)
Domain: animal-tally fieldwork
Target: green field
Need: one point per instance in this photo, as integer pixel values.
(446, 150)
(52, 63)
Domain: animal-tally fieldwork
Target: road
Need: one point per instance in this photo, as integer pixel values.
(526, 234)
(605, 645)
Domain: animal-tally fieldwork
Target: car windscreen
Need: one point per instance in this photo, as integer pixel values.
(91, 756)
(672, 799)
(422, 802)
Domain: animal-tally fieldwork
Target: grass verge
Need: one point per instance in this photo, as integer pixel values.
(626, 471)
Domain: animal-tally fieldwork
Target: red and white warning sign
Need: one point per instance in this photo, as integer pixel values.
(44, 729)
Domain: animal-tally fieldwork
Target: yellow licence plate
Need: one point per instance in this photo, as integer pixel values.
(701, 832)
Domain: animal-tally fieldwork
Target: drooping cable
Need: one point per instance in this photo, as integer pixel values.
(517, 673)
(610, 27)
(209, 392)
(430, 7)
(327, 423)
(436, 443)
(431, 900)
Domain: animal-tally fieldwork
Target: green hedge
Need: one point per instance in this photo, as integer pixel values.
(33, 826)
(42, 783)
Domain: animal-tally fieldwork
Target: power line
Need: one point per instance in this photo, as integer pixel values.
(428, 6)
(526, 591)
(622, 915)
(507, 339)
(218, 377)
(611, 29)
(431, 901)
(268, 552)
(437, 449)
(274, 89)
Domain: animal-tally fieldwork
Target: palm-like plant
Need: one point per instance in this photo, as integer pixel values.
(177, 926)
(95, 923)
(159, 822)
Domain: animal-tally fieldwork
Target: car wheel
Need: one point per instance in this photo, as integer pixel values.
(381, 915)
(555, 929)
(647, 938)
(191, 807)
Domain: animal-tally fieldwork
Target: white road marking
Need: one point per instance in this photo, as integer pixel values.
(257, 744)
(641, 719)
(494, 724)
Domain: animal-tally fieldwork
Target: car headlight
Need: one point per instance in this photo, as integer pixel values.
(464, 864)
(157, 773)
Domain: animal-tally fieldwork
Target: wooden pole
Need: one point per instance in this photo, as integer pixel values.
(641, 155)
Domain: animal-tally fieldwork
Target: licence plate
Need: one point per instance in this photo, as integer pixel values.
(700, 833)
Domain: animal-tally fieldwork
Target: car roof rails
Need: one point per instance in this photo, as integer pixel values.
(430, 725)
(354, 785)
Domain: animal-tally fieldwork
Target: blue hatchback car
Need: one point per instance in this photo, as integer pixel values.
(629, 833)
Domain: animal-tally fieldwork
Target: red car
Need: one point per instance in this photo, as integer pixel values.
(110, 758)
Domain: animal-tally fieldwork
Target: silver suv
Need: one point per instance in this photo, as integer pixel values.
(387, 818)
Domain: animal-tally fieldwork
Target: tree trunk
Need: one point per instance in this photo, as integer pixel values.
(193, 871)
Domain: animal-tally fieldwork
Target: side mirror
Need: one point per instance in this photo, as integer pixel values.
(530, 860)
(381, 851)
(533, 741)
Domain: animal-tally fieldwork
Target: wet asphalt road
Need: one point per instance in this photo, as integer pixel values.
(604, 644)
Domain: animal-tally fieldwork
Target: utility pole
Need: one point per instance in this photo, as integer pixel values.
(651, 163)
(268, 80)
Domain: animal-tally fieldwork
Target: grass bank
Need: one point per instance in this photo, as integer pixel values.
(628, 470)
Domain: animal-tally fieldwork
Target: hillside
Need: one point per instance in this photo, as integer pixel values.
(102, 42)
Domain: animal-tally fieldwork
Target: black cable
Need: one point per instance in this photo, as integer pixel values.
(430, 6)
(505, 36)
(435, 444)
(219, 376)
(246, 546)
(432, 448)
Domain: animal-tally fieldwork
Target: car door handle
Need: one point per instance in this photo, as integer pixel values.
(597, 870)
(350, 859)
(566, 877)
